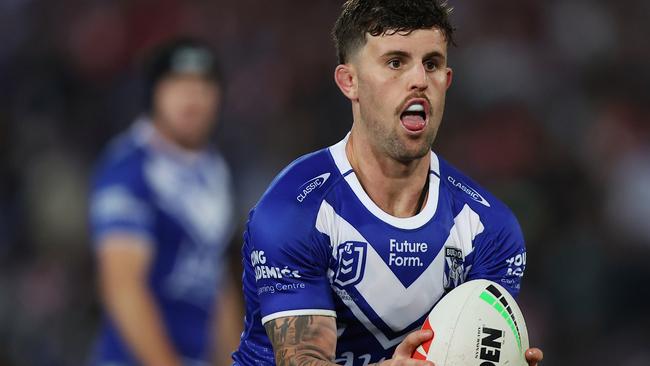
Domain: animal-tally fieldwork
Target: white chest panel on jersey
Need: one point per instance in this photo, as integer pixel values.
(202, 205)
(397, 305)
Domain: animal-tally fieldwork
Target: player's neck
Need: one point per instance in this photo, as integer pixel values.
(398, 188)
(169, 138)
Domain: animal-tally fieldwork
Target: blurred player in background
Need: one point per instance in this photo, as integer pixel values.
(351, 246)
(162, 218)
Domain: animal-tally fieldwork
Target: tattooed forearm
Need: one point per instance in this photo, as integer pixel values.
(303, 340)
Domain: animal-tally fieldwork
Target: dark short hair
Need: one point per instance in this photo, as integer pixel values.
(386, 17)
(177, 56)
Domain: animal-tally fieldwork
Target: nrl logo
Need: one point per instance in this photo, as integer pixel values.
(351, 263)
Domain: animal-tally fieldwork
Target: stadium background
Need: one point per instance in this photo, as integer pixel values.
(549, 109)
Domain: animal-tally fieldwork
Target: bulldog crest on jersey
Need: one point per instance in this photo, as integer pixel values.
(454, 268)
(351, 263)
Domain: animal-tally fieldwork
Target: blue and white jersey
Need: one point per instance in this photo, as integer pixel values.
(316, 244)
(180, 204)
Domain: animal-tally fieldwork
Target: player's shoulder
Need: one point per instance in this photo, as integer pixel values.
(296, 193)
(121, 161)
(465, 191)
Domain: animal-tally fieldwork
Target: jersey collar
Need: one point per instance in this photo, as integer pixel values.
(343, 164)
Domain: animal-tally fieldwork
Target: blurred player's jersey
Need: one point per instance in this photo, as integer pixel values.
(180, 203)
(316, 244)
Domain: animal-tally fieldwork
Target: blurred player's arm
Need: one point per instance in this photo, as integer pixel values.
(310, 340)
(124, 261)
(228, 322)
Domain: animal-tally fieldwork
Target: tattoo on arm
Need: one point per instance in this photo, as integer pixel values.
(308, 340)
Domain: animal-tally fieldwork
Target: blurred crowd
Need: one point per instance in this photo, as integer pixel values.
(549, 109)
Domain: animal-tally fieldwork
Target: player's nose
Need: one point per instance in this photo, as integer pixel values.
(417, 77)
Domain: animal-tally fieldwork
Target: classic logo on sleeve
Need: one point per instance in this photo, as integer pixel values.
(311, 185)
(351, 263)
(468, 190)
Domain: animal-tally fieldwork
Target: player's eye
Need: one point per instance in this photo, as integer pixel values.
(394, 63)
(430, 65)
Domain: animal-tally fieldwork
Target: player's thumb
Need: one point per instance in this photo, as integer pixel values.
(411, 342)
(534, 356)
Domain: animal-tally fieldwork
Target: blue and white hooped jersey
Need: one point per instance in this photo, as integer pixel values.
(316, 244)
(179, 203)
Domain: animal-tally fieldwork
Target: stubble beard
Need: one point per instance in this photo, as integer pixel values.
(389, 141)
(191, 141)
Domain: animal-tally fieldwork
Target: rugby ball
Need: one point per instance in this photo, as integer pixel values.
(477, 323)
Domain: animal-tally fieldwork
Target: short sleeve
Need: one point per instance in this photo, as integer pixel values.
(119, 204)
(289, 260)
(500, 256)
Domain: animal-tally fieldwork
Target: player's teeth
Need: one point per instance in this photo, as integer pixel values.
(415, 108)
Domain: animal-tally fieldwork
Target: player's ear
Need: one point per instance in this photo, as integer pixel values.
(346, 79)
(450, 76)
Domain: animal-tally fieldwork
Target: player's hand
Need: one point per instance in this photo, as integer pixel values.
(534, 356)
(403, 352)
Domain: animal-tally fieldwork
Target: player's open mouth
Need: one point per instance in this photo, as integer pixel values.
(415, 115)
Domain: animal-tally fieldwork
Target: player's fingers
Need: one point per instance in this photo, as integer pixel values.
(411, 362)
(411, 342)
(533, 356)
